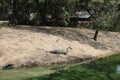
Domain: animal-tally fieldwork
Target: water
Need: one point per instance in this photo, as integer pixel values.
(118, 69)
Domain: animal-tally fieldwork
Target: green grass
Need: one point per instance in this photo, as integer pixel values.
(104, 69)
(23, 73)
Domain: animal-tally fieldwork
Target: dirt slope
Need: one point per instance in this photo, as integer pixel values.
(29, 46)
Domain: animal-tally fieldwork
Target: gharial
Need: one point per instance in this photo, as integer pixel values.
(61, 51)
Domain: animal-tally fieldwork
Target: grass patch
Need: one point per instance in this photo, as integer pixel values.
(23, 73)
(104, 69)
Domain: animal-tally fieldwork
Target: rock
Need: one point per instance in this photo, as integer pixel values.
(7, 66)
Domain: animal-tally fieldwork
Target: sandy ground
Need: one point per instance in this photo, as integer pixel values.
(30, 46)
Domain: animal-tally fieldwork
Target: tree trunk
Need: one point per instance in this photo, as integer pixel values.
(15, 12)
(96, 35)
(43, 13)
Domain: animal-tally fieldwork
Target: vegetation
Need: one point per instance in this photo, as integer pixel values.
(22, 73)
(105, 69)
(104, 13)
(96, 70)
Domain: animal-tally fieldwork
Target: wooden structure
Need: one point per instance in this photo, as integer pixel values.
(80, 19)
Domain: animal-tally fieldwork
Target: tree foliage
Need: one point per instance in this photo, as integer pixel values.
(105, 13)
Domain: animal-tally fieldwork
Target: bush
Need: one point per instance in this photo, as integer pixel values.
(107, 16)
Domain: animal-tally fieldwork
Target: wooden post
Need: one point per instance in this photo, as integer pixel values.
(96, 35)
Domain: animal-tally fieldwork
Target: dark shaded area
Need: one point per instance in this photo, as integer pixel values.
(74, 20)
(79, 19)
(8, 66)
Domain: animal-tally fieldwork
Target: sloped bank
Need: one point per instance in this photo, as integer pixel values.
(29, 46)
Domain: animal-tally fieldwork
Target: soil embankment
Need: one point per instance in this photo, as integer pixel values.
(30, 46)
